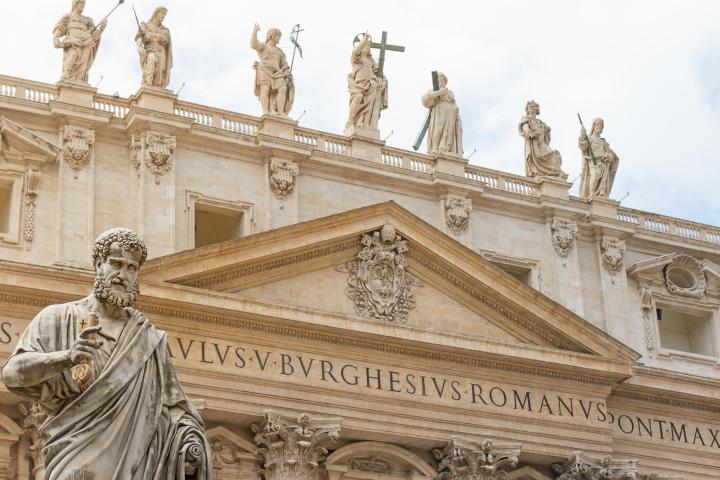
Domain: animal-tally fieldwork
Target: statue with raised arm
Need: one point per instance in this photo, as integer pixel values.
(101, 370)
(445, 129)
(540, 159)
(77, 35)
(600, 163)
(155, 48)
(368, 92)
(274, 85)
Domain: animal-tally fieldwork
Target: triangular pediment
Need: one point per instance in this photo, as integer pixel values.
(460, 293)
(20, 145)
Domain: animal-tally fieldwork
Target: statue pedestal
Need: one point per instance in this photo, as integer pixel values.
(78, 94)
(365, 143)
(603, 207)
(156, 99)
(279, 126)
(450, 164)
(555, 187)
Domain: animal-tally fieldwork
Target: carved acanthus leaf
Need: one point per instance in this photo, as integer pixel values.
(564, 233)
(457, 214)
(582, 467)
(295, 449)
(462, 459)
(283, 175)
(378, 282)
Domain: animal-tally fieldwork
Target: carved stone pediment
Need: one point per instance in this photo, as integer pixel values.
(378, 281)
(580, 466)
(363, 459)
(233, 456)
(20, 145)
(463, 459)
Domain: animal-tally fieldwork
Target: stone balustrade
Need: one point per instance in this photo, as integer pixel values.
(416, 163)
(670, 226)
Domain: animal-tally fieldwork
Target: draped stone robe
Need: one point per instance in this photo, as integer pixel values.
(133, 422)
(445, 129)
(79, 58)
(597, 180)
(368, 92)
(540, 159)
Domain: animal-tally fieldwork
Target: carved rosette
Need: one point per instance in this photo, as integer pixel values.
(33, 417)
(581, 467)
(457, 214)
(283, 176)
(465, 460)
(612, 250)
(32, 181)
(685, 277)
(294, 449)
(378, 282)
(159, 153)
(564, 233)
(77, 143)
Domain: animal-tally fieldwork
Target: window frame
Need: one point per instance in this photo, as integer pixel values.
(17, 206)
(195, 199)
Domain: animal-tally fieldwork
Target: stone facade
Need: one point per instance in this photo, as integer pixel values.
(566, 354)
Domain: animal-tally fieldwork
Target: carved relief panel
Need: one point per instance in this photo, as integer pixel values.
(283, 175)
(457, 214)
(155, 150)
(378, 281)
(564, 233)
(611, 251)
(77, 144)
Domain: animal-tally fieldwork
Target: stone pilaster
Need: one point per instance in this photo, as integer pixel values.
(76, 191)
(566, 264)
(582, 467)
(614, 286)
(463, 459)
(295, 448)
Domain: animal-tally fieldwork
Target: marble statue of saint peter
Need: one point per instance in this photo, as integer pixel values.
(101, 370)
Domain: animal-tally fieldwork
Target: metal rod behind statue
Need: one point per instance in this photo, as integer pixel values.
(140, 30)
(426, 125)
(120, 2)
(587, 139)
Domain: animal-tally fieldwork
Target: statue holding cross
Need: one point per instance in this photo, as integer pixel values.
(443, 124)
(367, 84)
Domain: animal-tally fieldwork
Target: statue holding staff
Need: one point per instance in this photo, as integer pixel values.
(368, 91)
(154, 46)
(102, 372)
(77, 35)
(600, 162)
(445, 127)
(274, 85)
(540, 159)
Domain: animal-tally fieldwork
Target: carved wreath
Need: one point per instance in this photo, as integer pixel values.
(378, 282)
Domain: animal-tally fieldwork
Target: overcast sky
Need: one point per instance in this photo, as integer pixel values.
(651, 69)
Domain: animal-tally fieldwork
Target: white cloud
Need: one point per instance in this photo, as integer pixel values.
(651, 69)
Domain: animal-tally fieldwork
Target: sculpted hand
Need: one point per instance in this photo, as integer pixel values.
(84, 347)
(134, 315)
(256, 29)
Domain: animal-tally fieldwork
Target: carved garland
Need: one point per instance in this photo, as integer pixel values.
(378, 282)
(32, 180)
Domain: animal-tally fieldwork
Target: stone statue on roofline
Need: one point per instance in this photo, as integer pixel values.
(540, 159)
(600, 162)
(154, 46)
(368, 91)
(445, 128)
(274, 84)
(79, 39)
(101, 370)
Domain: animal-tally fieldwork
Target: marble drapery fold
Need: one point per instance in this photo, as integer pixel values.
(445, 130)
(597, 179)
(133, 423)
(368, 92)
(154, 45)
(540, 159)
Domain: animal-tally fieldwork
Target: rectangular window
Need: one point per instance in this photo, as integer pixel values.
(521, 273)
(6, 197)
(214, 225)
(686, 332)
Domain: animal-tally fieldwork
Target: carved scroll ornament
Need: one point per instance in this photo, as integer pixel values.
(457, 214)
(77, 143)
(282, 178)
(564, 232)
(612, 250)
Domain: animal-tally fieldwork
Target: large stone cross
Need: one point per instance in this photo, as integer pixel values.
(383, 46)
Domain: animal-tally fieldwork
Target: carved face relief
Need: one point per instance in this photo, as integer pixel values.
(457, 214)
(612, 250)
(564, 232)
(282, 178)
(378, 282)
(76, 146)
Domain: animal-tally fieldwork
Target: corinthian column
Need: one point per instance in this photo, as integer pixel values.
(295, 448)
(582, 467)
(463, 459)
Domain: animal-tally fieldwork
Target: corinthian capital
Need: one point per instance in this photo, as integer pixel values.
(582, 467)
(463, 459)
